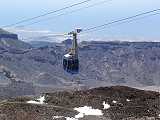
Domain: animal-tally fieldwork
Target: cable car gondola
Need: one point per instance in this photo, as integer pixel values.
(70, 64)
(70, 60)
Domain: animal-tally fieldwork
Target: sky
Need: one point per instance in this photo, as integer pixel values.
(12, 11)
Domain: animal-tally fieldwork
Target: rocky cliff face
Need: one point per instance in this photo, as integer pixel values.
(10, 41)
(9, 86)
(122, 62)
(10, 36)
(7, 35)
(135, 64)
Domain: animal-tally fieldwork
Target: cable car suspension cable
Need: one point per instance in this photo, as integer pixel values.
(120, 20)
(45, 14)
(70, 12)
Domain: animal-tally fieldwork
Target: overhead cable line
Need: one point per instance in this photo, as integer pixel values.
(123, 22)
(120, 20)
(120, 23)
(45, 14)
(73, 11)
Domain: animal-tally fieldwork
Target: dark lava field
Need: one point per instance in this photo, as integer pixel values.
(123, 103)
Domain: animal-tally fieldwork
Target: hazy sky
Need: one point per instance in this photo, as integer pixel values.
(14, 10)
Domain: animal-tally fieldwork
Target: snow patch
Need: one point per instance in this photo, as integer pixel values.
(83, 111)
(114, 101)
(57, 117)
(87, 111)
(33, 102)
(80, 115)
(106, 106)
(128, 100)
(68, 118)
(39, 100)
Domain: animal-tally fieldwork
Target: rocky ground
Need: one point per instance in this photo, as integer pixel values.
(123, 103)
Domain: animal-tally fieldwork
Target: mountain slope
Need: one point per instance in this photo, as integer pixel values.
(10, 40)
(135, 64)
(121, 103)
(4, 32)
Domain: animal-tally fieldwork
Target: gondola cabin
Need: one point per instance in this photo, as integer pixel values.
(70, 60)
(71, 64)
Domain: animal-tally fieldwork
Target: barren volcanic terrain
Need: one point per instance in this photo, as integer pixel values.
(110, 103)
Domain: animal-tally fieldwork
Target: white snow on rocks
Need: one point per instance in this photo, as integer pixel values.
(80, 115)
(38, 101)
(41, 99)
(87, 111)
(68, 118)
(57, 117)
(33, 102)
(83, 111)
(128, 100)
(114, 101)
(106, 106)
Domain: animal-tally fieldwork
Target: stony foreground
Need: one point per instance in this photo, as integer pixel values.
(121, 103)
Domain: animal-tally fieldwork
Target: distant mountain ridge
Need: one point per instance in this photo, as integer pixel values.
(10, 40)
(2, 31)
(135, 64)
(6, 34)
